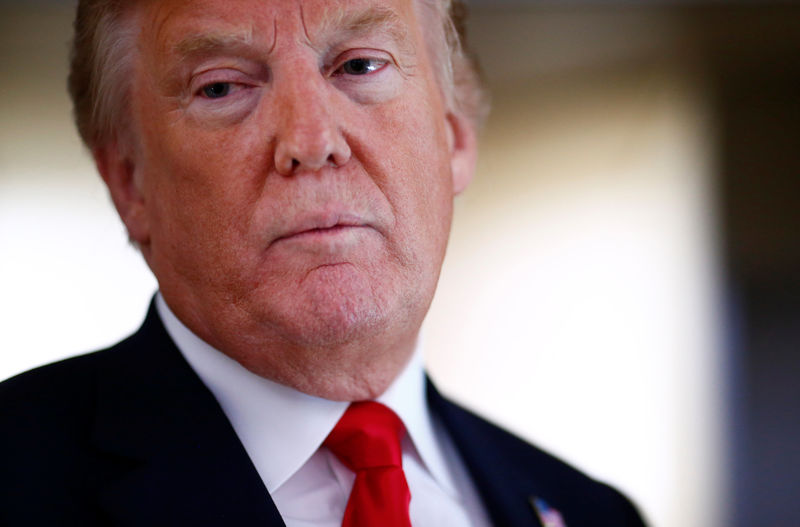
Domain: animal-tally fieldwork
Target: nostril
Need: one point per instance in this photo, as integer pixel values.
(310, 148)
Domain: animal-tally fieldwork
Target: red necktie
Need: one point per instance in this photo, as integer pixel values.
(367, 440)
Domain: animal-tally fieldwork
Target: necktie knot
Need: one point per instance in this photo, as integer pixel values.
(367, 436)
(367, 440)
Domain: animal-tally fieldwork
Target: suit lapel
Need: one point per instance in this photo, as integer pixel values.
(182, 463)
(506, 488)
(178, 461)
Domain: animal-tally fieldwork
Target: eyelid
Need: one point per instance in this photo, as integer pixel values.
(383, 57)
(207, 76)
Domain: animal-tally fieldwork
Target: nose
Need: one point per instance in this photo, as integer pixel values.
(310, 134)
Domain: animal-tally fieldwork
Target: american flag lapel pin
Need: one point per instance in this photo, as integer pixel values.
(549, 516)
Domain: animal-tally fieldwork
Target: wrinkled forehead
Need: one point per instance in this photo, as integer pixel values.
(186, 26)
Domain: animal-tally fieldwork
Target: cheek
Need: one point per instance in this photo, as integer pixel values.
(203, 192)
(405, 152)
(211, 172)
(419, 172)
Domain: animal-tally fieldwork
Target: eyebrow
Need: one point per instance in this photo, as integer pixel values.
(382, 19)
(204, 43)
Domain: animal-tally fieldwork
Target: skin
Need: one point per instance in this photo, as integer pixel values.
(298, 221)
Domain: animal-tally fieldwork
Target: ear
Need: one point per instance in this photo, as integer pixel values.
(463, 150)
(118, 171)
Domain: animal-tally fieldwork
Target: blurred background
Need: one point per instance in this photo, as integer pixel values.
(622, 283)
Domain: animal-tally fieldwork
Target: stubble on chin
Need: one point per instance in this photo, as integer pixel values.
(335, 305)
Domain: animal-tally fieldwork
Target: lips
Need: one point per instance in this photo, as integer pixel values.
(321, 225)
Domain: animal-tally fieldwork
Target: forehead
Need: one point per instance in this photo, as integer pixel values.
(181, 25)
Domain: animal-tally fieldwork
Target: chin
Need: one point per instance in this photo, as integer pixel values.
(335, 306)
(339, 323)
(338, 333)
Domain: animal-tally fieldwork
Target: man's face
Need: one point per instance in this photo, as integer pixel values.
(291, 181)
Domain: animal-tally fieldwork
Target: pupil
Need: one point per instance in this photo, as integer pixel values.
(216, 90)
(357, 66)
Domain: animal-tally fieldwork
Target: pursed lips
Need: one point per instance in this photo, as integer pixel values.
(321, 226)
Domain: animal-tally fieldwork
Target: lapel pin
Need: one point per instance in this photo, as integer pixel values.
(549, 516)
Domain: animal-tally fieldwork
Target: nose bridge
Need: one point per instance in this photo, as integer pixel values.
(309, 135)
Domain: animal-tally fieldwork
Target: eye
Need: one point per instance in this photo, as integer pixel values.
(362, 66)
(216, 90)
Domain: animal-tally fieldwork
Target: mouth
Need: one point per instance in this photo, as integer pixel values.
(323, 228)
(320, 233)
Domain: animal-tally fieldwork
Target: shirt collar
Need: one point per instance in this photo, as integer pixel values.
(264, 414)
(407, 397)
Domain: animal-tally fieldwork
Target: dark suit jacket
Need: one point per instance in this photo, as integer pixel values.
(131, 436)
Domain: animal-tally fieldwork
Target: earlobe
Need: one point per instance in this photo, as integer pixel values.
(118, 171)
(463, 150)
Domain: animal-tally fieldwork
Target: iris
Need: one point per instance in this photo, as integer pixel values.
(216, 90)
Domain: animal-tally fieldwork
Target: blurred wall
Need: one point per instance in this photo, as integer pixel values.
(578, 304)
(70, 282)
(754, 57)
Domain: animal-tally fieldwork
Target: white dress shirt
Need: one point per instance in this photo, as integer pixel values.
(282, 431)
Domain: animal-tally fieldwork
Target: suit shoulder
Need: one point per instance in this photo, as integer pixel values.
(53, 381)
(55, 400)
(49, 380)
(59, 393)
(48, 415)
